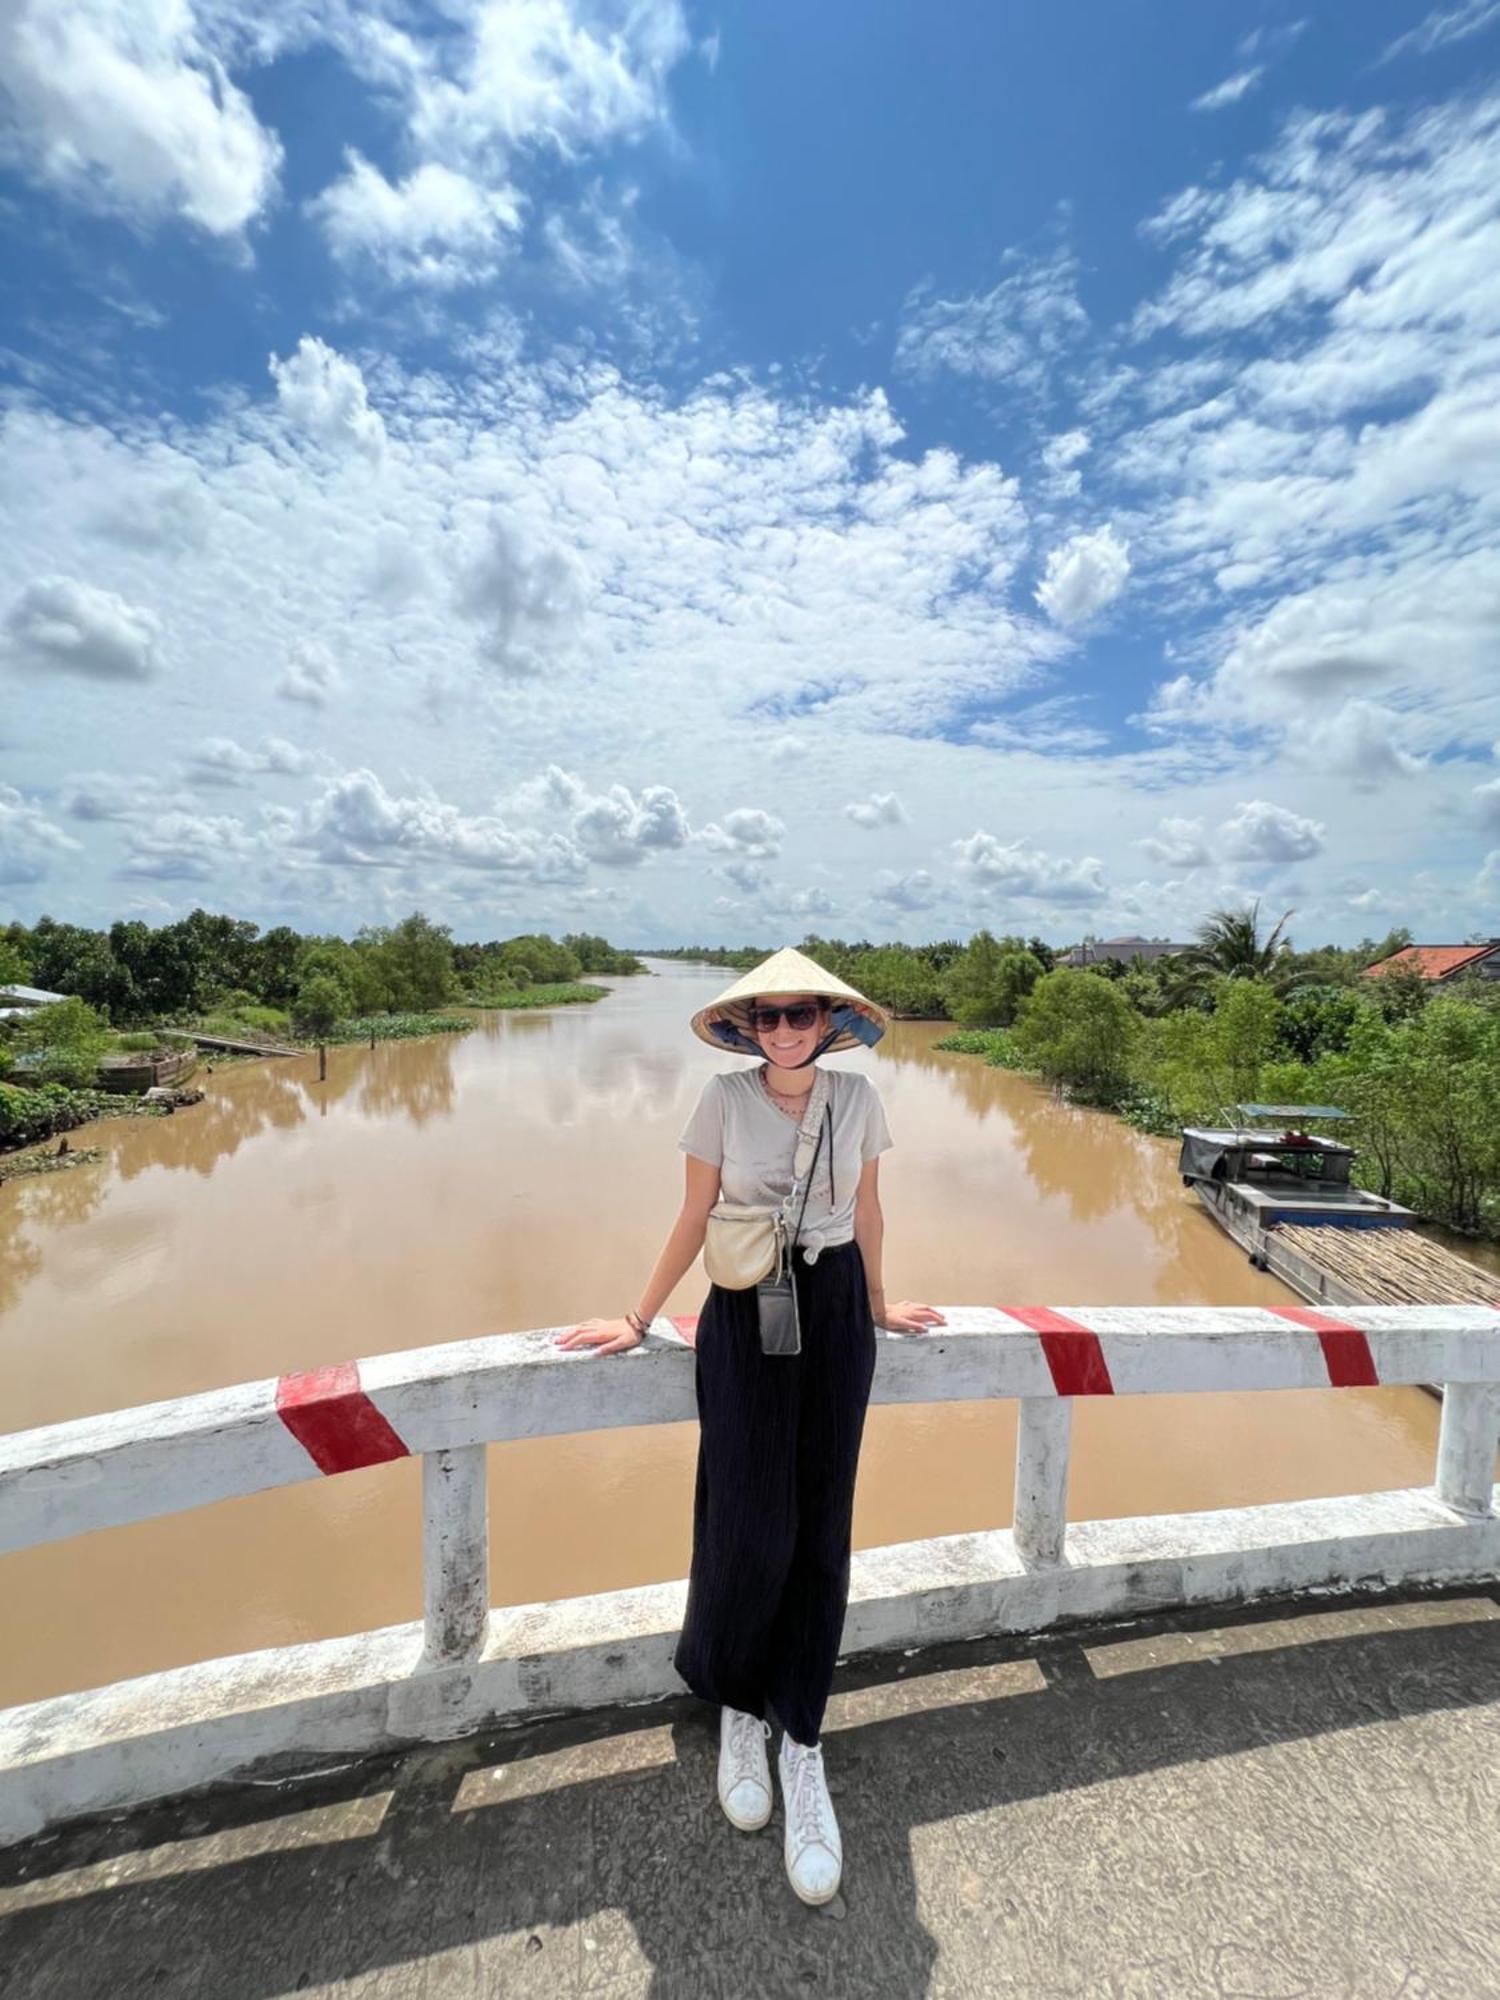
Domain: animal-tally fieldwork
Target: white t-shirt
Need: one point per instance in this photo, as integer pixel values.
(736, 1128)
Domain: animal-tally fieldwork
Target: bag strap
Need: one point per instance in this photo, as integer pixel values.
(809, 1145)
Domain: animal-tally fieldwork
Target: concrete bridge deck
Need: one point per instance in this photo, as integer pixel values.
(1291, 1800)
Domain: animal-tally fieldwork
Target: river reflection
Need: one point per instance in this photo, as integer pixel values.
(522, 1175)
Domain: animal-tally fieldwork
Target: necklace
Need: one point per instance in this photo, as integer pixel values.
(790, 1102)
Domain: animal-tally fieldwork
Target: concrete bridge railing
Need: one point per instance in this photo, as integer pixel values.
(466, 1665)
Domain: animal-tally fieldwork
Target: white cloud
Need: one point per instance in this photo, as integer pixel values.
(781, 900)
(58, 625)
(1260, 831)
(1017, 869)
(621, 830)
(1083, 576)
(323, 394)
(29, 842)
(1230, 91)
(219, 760)
(310, 675)
(356, 821)
(788, 750)
(1363, 743)
(746, 876)
(124, 108)
(437, 227)
(1487, 804)
(747, 832)
(1013, 334)
(879, 809)
(915, 890)
(530, 598)
(106, 795)
(539, 72)
(1442, 27)
(1178, 843)
(183, 846)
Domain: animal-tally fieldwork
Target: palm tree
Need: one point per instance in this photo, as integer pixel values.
(1229, 945)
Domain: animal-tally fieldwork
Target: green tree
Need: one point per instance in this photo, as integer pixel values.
(984, 987)
(413, 963)
(1079, 1030)
(1229, 945)
(322, 1002)
(63, 1043)
(15, 969)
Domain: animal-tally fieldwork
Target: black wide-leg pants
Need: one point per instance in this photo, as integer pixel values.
(773, 1509)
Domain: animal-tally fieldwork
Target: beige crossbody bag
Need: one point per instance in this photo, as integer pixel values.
(744, 1243)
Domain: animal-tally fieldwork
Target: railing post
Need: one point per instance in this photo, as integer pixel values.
(1043, 1448)
(455, 1554)
(1467, 1436)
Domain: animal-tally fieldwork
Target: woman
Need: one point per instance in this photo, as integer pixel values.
(779, 1434)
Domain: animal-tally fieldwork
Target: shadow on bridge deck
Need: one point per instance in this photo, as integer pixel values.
(1292, 1801)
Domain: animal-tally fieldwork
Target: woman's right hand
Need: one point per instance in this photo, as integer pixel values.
(600, 1336)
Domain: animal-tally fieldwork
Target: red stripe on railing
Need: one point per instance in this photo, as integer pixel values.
(333, 1419)
(1073, 1353)
(687, 1325)
(1346, 1352)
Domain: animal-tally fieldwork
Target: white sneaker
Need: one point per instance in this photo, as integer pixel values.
(814, 1851)
(744, 1774)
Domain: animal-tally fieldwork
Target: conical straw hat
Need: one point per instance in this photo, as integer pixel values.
(725, 1023)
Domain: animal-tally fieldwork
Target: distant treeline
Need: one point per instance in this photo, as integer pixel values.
(982, 984)
(208, 964)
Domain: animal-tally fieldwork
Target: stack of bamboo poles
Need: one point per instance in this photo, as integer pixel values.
(1393, 1267)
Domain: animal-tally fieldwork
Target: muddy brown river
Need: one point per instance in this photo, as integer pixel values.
(524, 1175)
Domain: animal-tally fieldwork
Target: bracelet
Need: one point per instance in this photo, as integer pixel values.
(636, 1324)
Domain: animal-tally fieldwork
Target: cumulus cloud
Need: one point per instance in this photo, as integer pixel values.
(620, 829)
(29, 842)
(528, 596)
(1363, 743)
(915, 890)
(1487, 805)
(781, 900)
(106, 795)
(1083, 576)
(437, 227)
(356, 821)
(1178, 843)
(311, 674)
(125, 109)
(58, 625)
(323, 394)
(879, 809)
(1016, 869)
(1260, 831)
(185, 847)
(219, 760)
(746, 876)
(747, 832)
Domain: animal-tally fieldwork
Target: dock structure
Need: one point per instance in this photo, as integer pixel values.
(1032, 1791)
(245, 1045)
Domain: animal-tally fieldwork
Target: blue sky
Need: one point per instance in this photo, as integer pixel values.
(712, 473)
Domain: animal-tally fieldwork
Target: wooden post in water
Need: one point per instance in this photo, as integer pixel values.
(322, 1062)
(455, 1554)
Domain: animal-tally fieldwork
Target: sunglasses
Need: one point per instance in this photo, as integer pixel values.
(804, 1015)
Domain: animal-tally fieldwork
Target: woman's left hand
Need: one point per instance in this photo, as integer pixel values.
(907, 1316)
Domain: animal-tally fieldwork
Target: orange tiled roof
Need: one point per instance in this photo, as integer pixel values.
(1433, 961)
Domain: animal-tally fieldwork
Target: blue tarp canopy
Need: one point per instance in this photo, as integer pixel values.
(1320, 1111)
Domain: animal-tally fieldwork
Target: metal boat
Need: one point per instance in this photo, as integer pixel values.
(1269, 1173)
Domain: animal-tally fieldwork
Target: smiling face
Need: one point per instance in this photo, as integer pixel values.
(782, 1044)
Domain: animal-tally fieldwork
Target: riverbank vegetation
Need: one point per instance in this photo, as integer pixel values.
(221, 976)
(1183, 1042)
